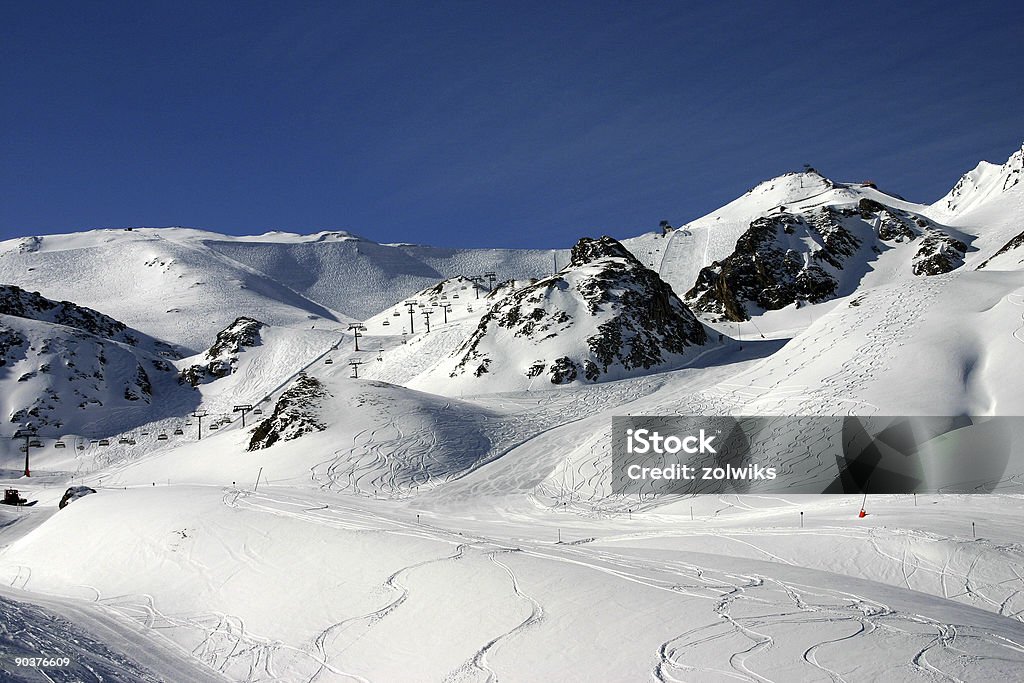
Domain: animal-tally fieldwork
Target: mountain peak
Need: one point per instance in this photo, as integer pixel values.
(983, 182)
(589, 249)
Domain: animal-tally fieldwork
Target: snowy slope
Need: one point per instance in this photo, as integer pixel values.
(68, 369)
(987, 181)
(163, 282)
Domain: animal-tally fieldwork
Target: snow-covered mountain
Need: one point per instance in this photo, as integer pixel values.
(439, 494)
(184, 285)
(794, 258)
(603, 316)
(69, 369)
(982, 184)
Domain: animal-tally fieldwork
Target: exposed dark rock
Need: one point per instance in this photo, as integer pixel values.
(73, 494)
(297, 412)
(765, 271)
(636, 316)
(222, 357)
(563, 371)
(939, 253)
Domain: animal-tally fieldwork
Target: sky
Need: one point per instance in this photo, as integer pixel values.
(484, 124)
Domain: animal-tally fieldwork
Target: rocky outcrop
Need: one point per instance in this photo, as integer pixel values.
(772, 266)
(297, 412)
(604, 313)
(222, 357)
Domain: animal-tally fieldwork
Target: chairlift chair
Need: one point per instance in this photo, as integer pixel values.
(161, 437)
(215, 426)
(396, 314)
(104, 442)
(58, 444)
(124, 439)
(179, 431)
(387, 322)
(329, 362)
(258, 411)
(36, 443)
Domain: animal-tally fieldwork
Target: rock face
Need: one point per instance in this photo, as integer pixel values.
(221, 358)
(297, 412)
(773, 268)
(938, 253)
(603, 315)
(791, 258)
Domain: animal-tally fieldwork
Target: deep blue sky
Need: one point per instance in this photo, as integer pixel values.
(484, 124)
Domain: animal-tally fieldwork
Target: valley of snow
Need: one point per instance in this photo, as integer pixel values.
(442, 518)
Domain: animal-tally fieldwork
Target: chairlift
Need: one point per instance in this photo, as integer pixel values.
(215, 426)
(396, 314)
(188, 423)
(258, 411)
(387, 322)
(455, 296)
(124, 439)
(81, 447)
(179, 431)
(145, 433)
(104, 442)
(36, 443)
(161, 437)
(59, 444)
(329, 362)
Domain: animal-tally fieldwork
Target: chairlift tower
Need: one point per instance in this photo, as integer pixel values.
(356, 329)
(491, 276)
(243, 409)
(447, 308)
(199, 418)
(476, 280)
(411, 305)
(29, 434)
(355, 368)
(426, 314)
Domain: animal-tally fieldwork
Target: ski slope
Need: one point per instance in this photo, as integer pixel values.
(435, 533)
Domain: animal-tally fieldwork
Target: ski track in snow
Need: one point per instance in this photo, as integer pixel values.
(753, 610)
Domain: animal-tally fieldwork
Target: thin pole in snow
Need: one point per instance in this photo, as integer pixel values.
(915, 500)
(559, 535)
(691, 513)
(258, 479)
(974, 532)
